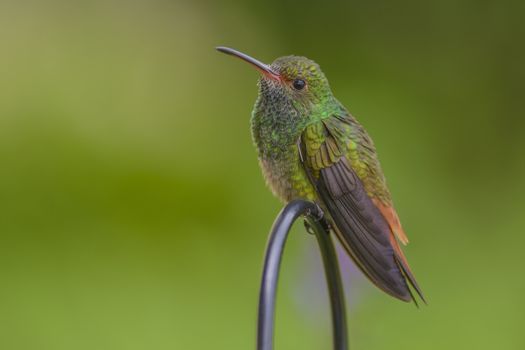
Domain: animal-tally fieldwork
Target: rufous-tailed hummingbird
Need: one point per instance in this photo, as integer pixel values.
(310, 147)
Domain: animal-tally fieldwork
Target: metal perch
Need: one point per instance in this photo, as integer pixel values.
(272, 261)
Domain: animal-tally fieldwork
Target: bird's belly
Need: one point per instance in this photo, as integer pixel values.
(286, 177)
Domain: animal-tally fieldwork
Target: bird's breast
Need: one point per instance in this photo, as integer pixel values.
(285, 176)
(276, 127)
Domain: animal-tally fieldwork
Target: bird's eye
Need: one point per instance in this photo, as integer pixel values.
(299, 84)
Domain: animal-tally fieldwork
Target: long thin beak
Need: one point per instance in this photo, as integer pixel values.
(264, 69)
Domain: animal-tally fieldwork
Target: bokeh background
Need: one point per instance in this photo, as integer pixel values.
(133, 214)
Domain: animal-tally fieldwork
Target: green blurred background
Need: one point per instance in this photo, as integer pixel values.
(133, 214)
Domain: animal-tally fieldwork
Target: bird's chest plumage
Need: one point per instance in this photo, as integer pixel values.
(286, 177)
(279, 159)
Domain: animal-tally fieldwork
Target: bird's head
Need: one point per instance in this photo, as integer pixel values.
(293, 80)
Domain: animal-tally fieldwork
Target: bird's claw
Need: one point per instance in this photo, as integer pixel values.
(309, 227)
(318, 216)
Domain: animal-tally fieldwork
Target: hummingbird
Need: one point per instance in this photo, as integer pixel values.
(310, 147)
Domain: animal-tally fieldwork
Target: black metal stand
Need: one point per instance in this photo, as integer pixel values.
(272, 262)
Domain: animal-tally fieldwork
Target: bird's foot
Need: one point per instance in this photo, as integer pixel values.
(323, 222)
(317, 216)
(308, 227)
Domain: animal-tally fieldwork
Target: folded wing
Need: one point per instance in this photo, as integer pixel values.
(359, 224)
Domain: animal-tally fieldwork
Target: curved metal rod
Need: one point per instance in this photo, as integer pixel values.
(272, 262)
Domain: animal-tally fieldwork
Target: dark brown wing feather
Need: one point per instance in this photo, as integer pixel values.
(361, 228)
(358, 222)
